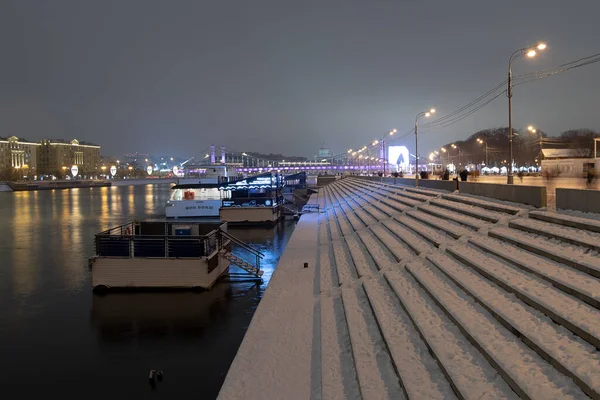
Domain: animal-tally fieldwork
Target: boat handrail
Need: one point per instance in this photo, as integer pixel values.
(241, 243)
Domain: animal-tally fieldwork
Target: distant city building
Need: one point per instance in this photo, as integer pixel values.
(57, 156)
(276, 157)
(18, 153)
(324, 152)
(137, 160)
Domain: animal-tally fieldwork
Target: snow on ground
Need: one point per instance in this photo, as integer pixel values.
(575, 217)
(577, 283)
(473, 211)
(383, 312)
(566, 234)
(540, 293)
(275, 355)
(507, 206)
(529, 372)
(573, 256)
(580, 359)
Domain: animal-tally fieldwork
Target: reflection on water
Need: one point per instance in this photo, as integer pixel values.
(127, 317)
(61, 337)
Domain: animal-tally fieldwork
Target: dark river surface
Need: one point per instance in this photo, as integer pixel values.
(59, 339)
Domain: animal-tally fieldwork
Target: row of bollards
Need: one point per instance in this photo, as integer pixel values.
(155, 376)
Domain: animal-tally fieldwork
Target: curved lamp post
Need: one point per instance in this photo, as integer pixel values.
(529, 52)
(419, 115)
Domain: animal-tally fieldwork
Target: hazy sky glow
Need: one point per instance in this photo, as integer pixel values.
(174, 76)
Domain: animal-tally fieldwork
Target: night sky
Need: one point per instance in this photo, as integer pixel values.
(174, 76)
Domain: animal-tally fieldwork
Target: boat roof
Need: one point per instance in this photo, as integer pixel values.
(196, 186)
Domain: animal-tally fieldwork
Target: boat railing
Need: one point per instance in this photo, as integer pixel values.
(124, 242)
(224, 235)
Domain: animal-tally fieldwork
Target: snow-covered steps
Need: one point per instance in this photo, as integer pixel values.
(346, 270)
(588, 224)
(342, 220)
(567, 279)
(328, 277)
(553, 231)
(571, 256)
(338, 367)
(438, 300)
(470, 375)
(579, 361)
(355, 222)
(419, 373)
(425, 192)
(415, 242)
(376, 375)
(475, 212)
(450, 228)
(578, 317)
(408, 194)
(488, 205)
(499, 345)
(324, 236)
(378, 251)
(332, 223)
(400, 198)
(394, 204)
(376, 213)
(398, 248)
(391, 211)
(365, 218)
(365, 265)
(431, 235)
(461, 219)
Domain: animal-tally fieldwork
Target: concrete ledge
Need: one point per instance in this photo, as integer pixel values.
(449, 186)
(274, 359)
(531, 195)
(325, 180)
(578, 199)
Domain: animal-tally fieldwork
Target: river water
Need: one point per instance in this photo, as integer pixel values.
(57, 338)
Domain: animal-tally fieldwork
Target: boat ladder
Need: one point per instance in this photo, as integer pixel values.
(253, 270)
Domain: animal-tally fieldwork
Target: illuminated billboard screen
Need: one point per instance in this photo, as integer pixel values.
(398, 158)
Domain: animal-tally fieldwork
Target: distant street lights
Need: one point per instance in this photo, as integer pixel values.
(419, 115)
(529, 52)
(457, 148)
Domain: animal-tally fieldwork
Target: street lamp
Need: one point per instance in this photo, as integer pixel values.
(419, 115)
(382, 147)
(457, 148)
(484, 142)
(529, 52)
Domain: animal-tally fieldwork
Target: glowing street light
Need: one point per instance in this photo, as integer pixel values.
(419, 115)
(375, 142)
(481, 141)
(531, 129)
(529, 52)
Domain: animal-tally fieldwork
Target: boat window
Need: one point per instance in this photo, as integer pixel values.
(177, 194)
